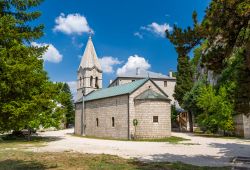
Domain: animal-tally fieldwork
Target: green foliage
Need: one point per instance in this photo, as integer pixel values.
(217, 110)
(212, 108)
(191, 98)
(174, 113)
(66, 99)
(135, 122)
(19, 12)
(184, 40)
(27, 99)
(224, 22)
(174, 74)
(222, 43)
(184, 78)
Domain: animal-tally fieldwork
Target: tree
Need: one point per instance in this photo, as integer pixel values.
(191, 98)
(224, 35)
(228, 33)
(184, 40)
(27, 99)
(217, 113)
(66, 100)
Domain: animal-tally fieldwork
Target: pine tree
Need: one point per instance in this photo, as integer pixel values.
(184, 40)
(27, 97)
(66, 100)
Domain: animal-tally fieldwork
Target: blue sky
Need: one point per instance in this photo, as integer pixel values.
(121, 29)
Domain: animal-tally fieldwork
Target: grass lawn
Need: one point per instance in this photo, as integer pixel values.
(171, 139)
(14, 156)
(65, 160)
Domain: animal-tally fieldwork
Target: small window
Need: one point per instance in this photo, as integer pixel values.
(96, 83)
(91, 81)
(97, 122)
(113, 122)
(165, 83)
(155, 119)
(133, 80)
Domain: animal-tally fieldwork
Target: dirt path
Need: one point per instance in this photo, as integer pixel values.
(198, 151)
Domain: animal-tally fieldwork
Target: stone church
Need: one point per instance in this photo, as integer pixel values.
(135, 105)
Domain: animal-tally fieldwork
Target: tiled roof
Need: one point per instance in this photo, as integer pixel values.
(115, 90)
(152, 95)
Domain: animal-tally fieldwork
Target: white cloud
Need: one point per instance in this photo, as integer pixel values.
(73, 88)
(131, 65)
(158, 29)
(52, 54)
(138, 34)
(72, 24)
(108, 62)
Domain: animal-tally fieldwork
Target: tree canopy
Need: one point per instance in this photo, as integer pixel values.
(27, 98)
(221, 44)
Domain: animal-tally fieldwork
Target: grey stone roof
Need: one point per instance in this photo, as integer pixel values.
(89, 58)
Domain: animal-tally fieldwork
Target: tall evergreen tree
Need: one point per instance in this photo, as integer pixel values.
(67, 101)
(27, 97)
(184, 40)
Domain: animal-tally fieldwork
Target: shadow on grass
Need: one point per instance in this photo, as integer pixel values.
(20, 164)
(47, 160)
(10, 139)
(173, 166)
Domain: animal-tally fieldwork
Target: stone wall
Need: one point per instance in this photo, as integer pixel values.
(117, 107)
(104, 110)
(242, 125)
(163, 111)
(246, 120)
(169, 89)
(145, 110)
(78, 113)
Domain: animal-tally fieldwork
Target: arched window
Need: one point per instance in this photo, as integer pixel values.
(91, 81)
(80, 81)
(96, 83)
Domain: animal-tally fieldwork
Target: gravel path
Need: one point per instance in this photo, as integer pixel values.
(198, 151)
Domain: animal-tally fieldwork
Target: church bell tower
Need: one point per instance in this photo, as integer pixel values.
(89, 74)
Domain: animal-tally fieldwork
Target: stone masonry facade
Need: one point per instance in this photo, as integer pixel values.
(113, 117)
(145, 119)
(102, 111)
(145, 110)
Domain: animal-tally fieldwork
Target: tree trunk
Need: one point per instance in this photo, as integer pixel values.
(190, 118)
